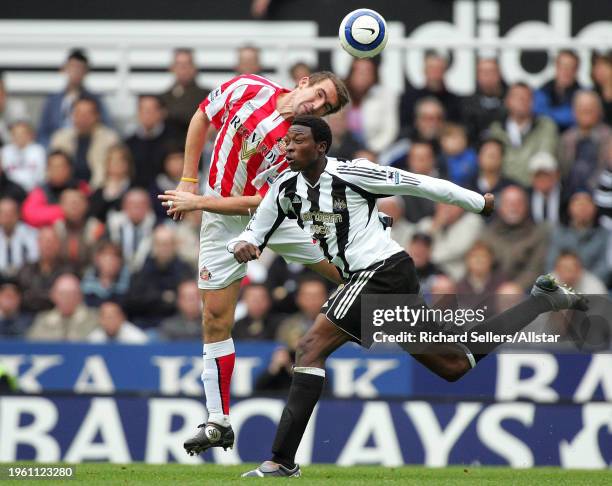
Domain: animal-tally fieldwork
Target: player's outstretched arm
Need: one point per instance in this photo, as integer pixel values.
(182, 202)
(379, 180)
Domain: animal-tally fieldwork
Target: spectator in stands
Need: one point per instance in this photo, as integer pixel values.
(168, 179)
(119, 171)
(87, 141)
(13, 321)
(603, 195)
(186, 324)
(519, 244)
(554, 99)
(486, 105)
(458, 159)
(78, 232)
(490, 177)
(184, 93)
(248, 61)
(259, 323)
(370, 115)
(523, 133)
(23, 160)
(311, 295)
(11, 110)
(42, 206)
(59, 106)
(298, 71)
(395, 207)
(107, 278)
(583, 151)
(435, 66)
(113, 327)
(344, 143)
(507, 295)
(601, 74)
(282, 282)
(149, 144)
(70, 319)
(153, 289)
(428, 124)
(18, 244)
(420, 160)
(279, 373)
(546, 198)
(9, 189)
(419, 249)
(37, 278)
(481, 277)
(453, 232)
(570, 270)
(132, 227)
(582, 236)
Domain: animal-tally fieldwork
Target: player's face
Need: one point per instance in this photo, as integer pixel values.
(301, 148)
(318, 99)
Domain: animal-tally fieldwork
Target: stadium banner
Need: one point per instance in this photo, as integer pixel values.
(174, 369)
(78, 428)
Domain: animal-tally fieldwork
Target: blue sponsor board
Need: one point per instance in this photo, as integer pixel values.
(174, 369)
(81, 428)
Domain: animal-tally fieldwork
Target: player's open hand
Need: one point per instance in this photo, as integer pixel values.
(184, 186)
(179, 202)
(489, 204)
(245, 252)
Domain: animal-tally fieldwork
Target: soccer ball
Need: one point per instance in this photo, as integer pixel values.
(363, 33)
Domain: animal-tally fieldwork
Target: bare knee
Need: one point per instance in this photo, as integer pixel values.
(309, 353)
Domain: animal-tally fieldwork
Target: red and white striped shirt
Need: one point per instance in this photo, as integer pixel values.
(249, 151)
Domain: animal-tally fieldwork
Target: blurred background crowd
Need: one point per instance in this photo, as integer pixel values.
(88, 254)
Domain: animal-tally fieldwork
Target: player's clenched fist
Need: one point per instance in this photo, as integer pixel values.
(245, 252)
(489, 204)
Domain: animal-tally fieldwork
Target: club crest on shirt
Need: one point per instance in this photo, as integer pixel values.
(205, 274)
(339, 205)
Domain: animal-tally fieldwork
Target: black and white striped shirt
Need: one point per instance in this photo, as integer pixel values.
(339, 211)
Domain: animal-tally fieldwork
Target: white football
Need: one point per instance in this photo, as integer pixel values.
(363, 33)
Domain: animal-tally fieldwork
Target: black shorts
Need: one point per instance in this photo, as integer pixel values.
(394, 275)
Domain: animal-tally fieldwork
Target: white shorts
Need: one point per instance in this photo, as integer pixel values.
(218, 267)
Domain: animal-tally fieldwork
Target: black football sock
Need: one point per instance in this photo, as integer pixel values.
(508, 322)
(304, 394)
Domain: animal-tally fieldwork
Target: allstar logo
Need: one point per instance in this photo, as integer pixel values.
(205, 274)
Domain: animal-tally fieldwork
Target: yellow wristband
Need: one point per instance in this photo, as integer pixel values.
(188, 179)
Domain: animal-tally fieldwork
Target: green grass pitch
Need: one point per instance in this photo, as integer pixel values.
(173, 474)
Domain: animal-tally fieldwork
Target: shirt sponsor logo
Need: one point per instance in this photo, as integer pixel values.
(321, 217)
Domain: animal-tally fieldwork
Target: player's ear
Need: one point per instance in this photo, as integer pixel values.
(302, 83)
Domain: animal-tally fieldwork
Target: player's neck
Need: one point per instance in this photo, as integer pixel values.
(313, 172)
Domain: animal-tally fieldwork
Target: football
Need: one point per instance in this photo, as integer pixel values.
(363, 33)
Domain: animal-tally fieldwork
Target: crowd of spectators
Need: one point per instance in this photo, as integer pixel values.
(88, 254)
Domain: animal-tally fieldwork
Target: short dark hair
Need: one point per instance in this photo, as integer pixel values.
(60, 153)
(88, 99)
(570, 53)
(319, 128)
(78, 55)
(490, 139)
(520, 84)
